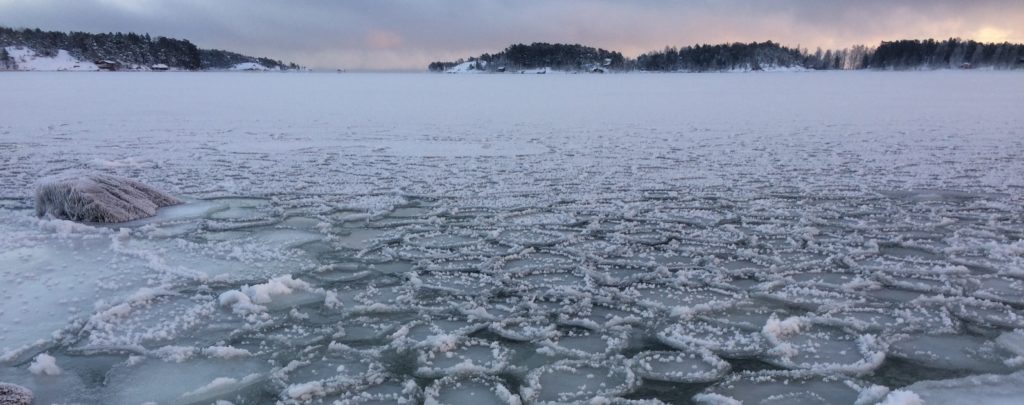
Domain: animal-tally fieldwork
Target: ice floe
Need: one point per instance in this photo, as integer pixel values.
(650, 247)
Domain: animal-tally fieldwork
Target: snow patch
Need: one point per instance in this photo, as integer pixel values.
(44, 364)
(988, 389)
(28, 59)
(249, 66)
(251, 299)
(902, 397)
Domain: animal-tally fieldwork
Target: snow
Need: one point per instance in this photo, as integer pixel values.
(768, 68)
(217, 383)
(901, 397)
(305, 390)
(589, 238)
(226, 352)
(44, 364)
(27, 59)
(254, 298)
(694, 366)
(989, 389)
(262, 293)
(472, 66)
(249, 66)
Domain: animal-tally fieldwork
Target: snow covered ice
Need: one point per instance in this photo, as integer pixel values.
(844, 237)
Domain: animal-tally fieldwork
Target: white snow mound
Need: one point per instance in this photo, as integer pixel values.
(44, 364)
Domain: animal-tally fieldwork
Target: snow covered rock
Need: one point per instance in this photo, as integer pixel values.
(93, 197)
(11, 394)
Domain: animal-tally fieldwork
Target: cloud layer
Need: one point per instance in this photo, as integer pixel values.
(407, 34)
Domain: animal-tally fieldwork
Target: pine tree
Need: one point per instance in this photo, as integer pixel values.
(5, 59)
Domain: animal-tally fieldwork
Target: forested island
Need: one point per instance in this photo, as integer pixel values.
(35, 49)
(892, 55)
(122, 51)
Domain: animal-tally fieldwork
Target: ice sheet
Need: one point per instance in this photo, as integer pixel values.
(357, 238)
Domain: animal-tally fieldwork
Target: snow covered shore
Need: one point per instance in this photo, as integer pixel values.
(27, 59)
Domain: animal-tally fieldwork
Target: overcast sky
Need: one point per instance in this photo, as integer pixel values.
(383, 34)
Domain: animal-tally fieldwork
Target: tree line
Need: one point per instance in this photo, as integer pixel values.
(895, 55)
(128, 49)
(542, 54)
(950, 53)
(747, 56)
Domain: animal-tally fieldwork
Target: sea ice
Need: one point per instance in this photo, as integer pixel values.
(988, 389)
(585, 239)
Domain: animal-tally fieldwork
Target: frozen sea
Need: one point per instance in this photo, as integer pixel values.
(841, 237)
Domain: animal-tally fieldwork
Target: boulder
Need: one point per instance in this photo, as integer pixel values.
(11, 394)
(94, 197)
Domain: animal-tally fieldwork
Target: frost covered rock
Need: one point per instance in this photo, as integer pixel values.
(93, 197)
(11, 394)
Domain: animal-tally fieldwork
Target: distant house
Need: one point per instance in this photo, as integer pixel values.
(160, 67)
(501, 69)
(597, 70)
(107, 65)
(966, 65)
